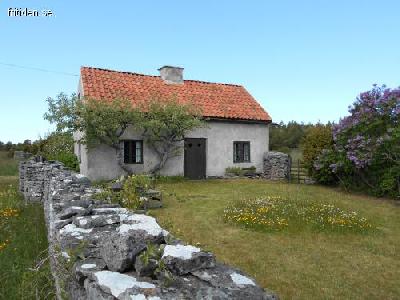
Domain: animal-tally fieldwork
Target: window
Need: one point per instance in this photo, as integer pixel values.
(241, 152)
(133, 152)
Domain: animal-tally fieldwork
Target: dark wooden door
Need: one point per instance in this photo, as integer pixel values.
(195, 158)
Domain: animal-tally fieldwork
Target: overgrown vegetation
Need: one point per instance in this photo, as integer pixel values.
(238, 171)
(316, 139)
(131, 194)
(8, 166)
(55, 146)
(133, 188)
(297, 263)
(163, 123)
(366, 146)
(22, 239)
(60, 146)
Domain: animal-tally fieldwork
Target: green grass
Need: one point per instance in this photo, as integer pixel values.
(302, 264)
(296, 154)
(8, 166)
(277, 214)
(22, 240)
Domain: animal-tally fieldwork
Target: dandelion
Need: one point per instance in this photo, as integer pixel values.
(275, 213)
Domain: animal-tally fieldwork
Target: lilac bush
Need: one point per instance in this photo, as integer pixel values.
(366, 152)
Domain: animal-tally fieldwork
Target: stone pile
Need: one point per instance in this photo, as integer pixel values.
(99, 250)
(276, 165)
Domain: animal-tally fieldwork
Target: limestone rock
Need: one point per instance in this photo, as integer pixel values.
(108, 210)
(72, 211)
(104, 237)
(96, 221)
(121, 286)
(145, 269)
(120, 250)
(61, 223)
(180, 259)
(94, 292)
(276, 165)
(86, 268)
(80, 179)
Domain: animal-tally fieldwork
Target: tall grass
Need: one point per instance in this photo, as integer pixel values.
(22, 239)
(8, 166)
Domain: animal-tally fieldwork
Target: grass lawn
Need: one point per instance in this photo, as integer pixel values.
(297, 264)
(22, 239)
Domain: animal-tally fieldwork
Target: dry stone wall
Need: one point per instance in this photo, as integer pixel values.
(21, 155)
(276, 165)
(100, 251)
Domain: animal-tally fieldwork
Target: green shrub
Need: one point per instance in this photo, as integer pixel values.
(60, 147)
(237, 171)
(366, 150)
(132, 190)
(234, 171)
(316, 139)
(168, 179)
(108, 195)
(131, 193)
(283, 149)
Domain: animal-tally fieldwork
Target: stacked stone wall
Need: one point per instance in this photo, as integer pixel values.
(99, 250)
(276, 166)
(21, 155)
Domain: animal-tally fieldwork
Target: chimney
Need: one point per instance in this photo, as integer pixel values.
(171, 75)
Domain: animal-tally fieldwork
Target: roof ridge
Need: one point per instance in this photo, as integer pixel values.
(141, 74)
(116, 71)
(211, 82)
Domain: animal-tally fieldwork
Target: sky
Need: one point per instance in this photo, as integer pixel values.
(301, 60)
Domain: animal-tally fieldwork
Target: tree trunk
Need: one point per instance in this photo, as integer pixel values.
(163, 157)
(120, 160)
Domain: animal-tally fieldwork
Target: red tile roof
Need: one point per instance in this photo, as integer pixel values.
(215, 100)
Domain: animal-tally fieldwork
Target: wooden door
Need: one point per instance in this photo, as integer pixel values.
(195, 158)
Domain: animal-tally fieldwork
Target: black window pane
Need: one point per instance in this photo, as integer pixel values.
(241, 152)
(133, 152)
(126, 152)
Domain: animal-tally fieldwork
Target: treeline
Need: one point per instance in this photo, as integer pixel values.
(55, 146)
(286, 137)
(360, 153)
(26, 146)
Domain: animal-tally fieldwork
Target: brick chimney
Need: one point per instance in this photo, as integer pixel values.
(171, 75)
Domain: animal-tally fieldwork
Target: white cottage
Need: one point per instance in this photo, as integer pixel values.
(237, 134)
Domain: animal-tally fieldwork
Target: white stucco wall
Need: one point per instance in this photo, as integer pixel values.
(101, 162)
(220, 137)
(80, 151)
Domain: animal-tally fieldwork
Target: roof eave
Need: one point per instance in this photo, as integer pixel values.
(238, 120)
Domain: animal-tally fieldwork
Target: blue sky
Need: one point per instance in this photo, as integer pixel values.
(302, 60)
